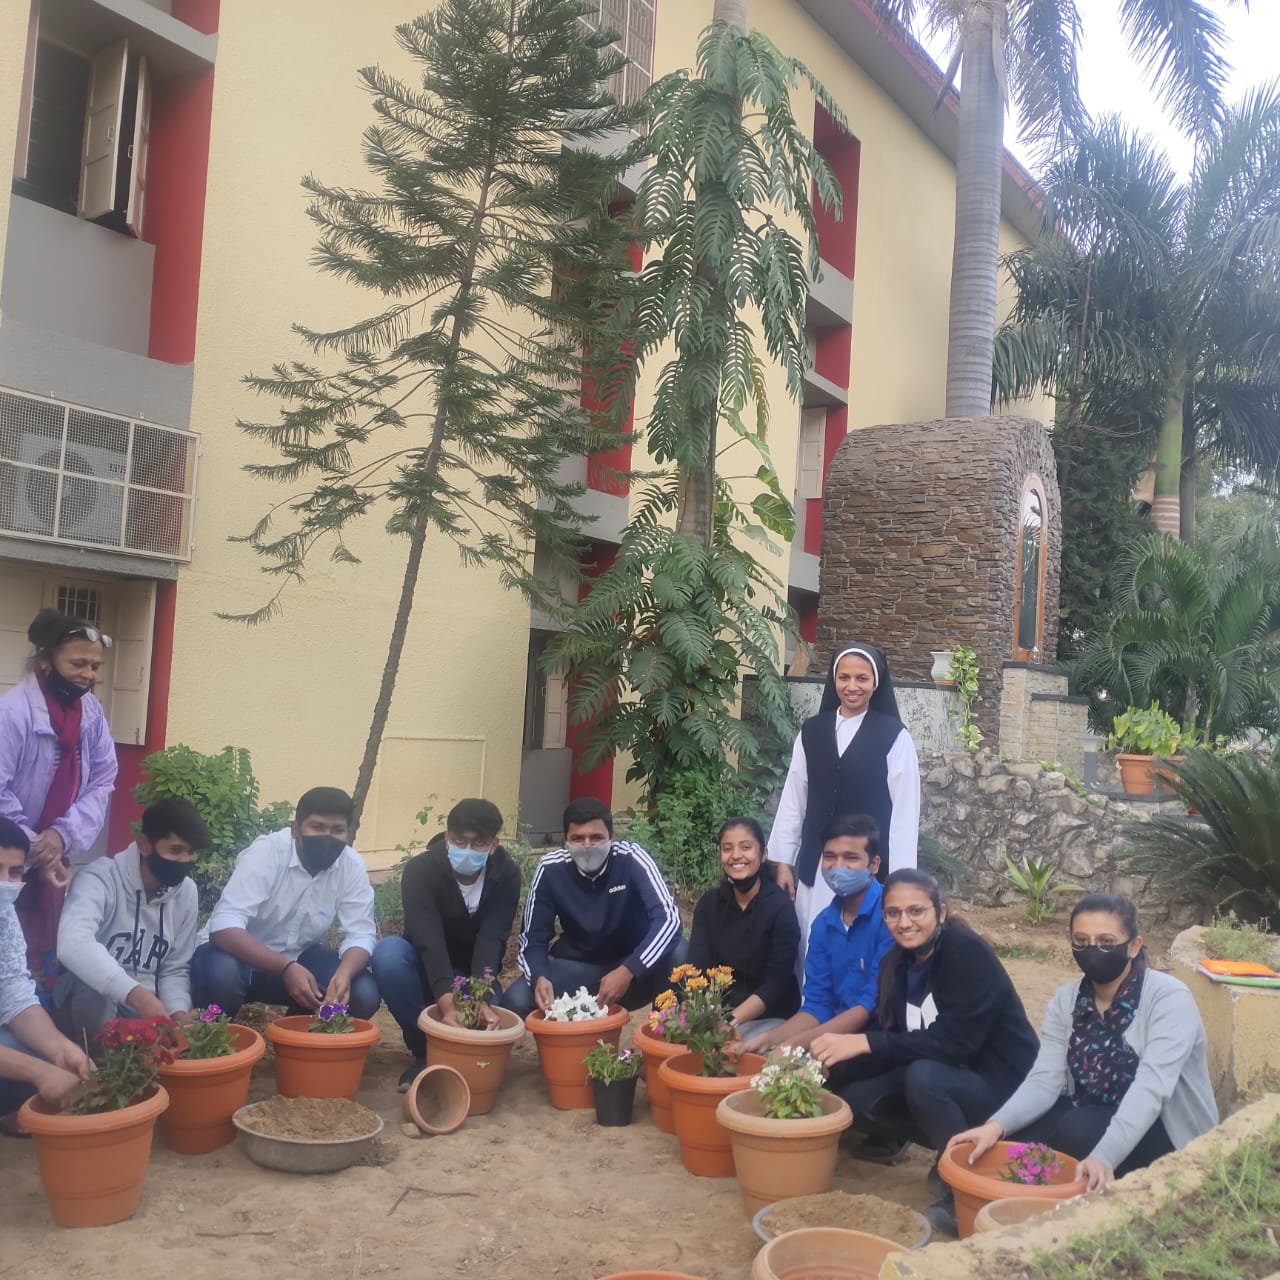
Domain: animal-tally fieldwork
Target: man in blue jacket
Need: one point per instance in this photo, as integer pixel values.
(619, 926)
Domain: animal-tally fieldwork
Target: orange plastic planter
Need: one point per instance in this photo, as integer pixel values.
(656, 1052)
(980, 1183)
(318, 1064)
(705, 1145)
(204, 1093)
(480, 1057)
(438, 1100)
(776, 1159)
(562, 1052)
(828, 1253)
(92, 1167)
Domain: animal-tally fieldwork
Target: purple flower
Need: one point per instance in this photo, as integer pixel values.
(328, 1011)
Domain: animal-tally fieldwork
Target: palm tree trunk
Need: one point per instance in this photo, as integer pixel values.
(734, 12)
(1187, 479)
(976, 251)
(1166, 505)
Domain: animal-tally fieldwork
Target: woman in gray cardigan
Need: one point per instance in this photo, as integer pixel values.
(1121, 1077)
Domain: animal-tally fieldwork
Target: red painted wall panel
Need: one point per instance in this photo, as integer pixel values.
(597, 782)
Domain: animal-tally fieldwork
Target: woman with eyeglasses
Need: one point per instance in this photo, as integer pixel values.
(57, 768)
(949, 1043)
(1121, 1077)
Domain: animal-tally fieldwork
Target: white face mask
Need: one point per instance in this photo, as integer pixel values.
(9, 890)
(589, 858)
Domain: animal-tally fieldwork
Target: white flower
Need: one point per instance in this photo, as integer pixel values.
(578, 1007)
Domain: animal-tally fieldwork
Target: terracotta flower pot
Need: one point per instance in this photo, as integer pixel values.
(1136, 775)
(438, 1100)
(204, 1093)
(705, 1145)
(319, 1064)
(92, 1167)
(777, 1159)
(656, 1052)
(829, 1252)
(978, 1184)
(480, 1057)
(998, 1214)
(649, 1275)
(562, 1051)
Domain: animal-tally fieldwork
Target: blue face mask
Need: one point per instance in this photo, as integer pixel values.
(9, 890)
(846, 882)
(466, 862)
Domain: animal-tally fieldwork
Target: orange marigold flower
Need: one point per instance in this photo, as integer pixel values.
(683, 971)
(665, 1000)
(696, 984)
(720, 971)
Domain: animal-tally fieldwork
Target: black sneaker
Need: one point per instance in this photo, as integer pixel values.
(935, 1183)
(410, 1074)
(941, 1216)
(880, 1150)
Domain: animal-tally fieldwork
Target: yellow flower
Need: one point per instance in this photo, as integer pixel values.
(665, 1000)
(696, 984)
(682, 971)
(722, 972)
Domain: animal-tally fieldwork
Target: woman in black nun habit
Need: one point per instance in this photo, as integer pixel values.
(854, 756)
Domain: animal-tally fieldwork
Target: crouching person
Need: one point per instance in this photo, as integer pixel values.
(460, 898)
(619, 925)
(35, 1057)
(128, 929)
(266, 935)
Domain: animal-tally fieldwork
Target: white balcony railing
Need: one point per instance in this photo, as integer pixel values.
(634, 22)
(76, 476)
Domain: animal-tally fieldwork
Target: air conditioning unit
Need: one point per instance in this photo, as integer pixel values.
(90, 510)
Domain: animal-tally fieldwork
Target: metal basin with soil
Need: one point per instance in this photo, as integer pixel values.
(306, 1135)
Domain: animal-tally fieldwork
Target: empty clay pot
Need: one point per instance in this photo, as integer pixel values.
(438, 1100)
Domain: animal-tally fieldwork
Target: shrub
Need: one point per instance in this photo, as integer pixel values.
(225, 793)
(1230, 938)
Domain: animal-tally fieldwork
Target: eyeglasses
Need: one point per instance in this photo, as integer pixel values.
(474, 843)
(92, 634)
(893, 914)
(594, 839)
(1079, 943)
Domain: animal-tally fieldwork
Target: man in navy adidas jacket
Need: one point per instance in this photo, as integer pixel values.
(619, 926)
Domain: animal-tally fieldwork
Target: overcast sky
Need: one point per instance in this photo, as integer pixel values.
(1111, 81)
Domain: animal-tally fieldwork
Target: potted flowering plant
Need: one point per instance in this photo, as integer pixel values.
(93, 1156)
(1032, 1164)
(208, 1080)
(471, 996)
(569, 1026)
(784, 1130)
(321, 1055)
(1038, 1171)
(613, 1073)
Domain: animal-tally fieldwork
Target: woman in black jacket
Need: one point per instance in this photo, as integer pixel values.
(951, 1040)
(748, 923)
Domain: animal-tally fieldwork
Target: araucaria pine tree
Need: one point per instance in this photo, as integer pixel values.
(487, 239)
(657, 648)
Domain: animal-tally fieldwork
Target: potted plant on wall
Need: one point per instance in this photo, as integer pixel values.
(1138, 735)
(477, 1050)
(569, 1027)
(321, 1055)
(784, 1130)
(208, 1081)
(93, 1156)
(613, 1073)
(700, 1077)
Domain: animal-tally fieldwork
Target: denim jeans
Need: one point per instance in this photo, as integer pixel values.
(217, 977)
(569, 975)
(1075, 1131)
(13, 1093)
(398, 971)
(926, 1101)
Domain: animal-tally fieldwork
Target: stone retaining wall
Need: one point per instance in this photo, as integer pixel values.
(981, 809)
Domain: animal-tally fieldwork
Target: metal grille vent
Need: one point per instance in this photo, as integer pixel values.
(73, 475)
(634, 21)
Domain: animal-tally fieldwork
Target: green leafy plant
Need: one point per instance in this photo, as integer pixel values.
(1145, 731)
(790, 1085)
(333, 1020)
(208, 1034)
(469, 994)
(964, 670)
(1230, 938)
(609, 1064)
(127, 1069)
(225, 792)
(939, 863)
(1230, 853)
(1033, 880)
(692, 1012)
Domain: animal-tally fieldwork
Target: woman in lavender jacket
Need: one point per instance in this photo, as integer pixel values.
(57, 767)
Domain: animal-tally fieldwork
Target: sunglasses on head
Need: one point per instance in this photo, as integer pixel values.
(92, 634)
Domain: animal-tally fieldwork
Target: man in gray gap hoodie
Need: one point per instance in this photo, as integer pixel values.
(129, 926)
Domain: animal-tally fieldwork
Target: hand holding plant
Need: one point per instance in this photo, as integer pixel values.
(133, 1050)
(471, 996)
(333, 1019)
(790, 1085)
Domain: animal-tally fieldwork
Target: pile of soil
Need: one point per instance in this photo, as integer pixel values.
(853, 1213)
(323, 1118)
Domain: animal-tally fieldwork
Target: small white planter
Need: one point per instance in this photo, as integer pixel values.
(940, 673)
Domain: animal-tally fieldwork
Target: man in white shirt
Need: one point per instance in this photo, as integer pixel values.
(266, 935)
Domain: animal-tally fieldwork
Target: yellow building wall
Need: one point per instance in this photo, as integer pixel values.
(13, 54)
(299, 690)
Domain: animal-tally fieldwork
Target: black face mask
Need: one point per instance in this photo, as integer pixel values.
(926, 946)
(746, 883)
(1100, 966)
(319, 853)
(62, 688)
(165, 870)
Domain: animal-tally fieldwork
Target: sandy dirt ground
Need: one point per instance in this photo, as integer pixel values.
(523, 1193)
